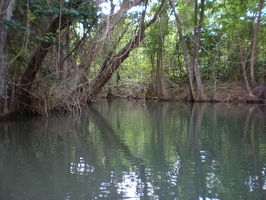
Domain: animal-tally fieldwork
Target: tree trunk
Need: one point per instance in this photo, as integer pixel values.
(35, 63)
(189, 69)
(214, 97)
(110, 22)
(254, 43)
(156, 88)
(192, 67)
(250, 97)
(111, 64)
(197, 33)
(159, 85)
(151, 87)
(6, 9)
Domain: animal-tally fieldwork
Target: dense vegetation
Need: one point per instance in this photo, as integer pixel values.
(62, 54)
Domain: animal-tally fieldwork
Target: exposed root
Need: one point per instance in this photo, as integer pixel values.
(251, 99)
(260, 92)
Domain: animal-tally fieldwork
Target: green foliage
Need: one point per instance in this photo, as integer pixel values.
(83, 12)
(11, 25)
(39, 10)
(227, 30)
(228, 26)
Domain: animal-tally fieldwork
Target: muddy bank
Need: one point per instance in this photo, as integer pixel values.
(224, 92)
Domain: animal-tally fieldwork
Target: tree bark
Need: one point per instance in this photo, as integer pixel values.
(110, 22)
(6, 10)
(159, 83)
(254, 43)
(35, 63)
(214, 97)
(111, 64)
(156, 88)
(250, 97)
(197, 34)
(189, 69)
(192, 67)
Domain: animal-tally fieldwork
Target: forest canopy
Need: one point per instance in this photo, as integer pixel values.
(61, 54)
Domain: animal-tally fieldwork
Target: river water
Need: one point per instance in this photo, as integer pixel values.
(127, 149)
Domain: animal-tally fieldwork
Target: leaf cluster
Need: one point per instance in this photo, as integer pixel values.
(9, 25)
(77, 11)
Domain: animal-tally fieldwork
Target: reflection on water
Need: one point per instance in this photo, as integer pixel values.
(137, 150)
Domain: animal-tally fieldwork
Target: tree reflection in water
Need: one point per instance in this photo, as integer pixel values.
(137, 150)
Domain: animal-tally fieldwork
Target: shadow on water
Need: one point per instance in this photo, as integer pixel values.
(137, 150)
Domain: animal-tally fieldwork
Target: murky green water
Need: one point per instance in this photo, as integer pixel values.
(137, 150)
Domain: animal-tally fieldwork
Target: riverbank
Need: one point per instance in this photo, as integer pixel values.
(224, 92)
(234, 92)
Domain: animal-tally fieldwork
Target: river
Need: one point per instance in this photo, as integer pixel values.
(136, 149)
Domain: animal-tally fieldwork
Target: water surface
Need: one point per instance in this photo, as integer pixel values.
(136, 150)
